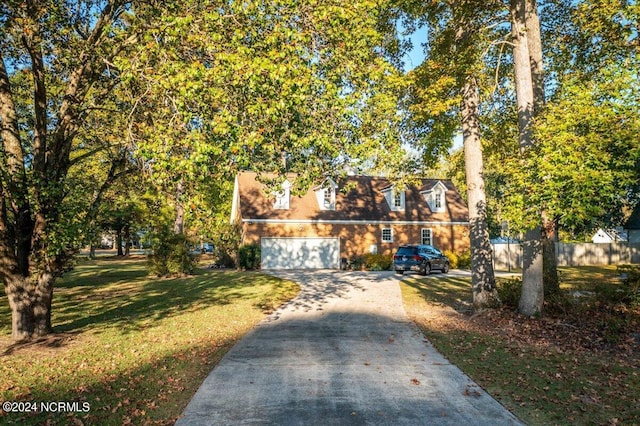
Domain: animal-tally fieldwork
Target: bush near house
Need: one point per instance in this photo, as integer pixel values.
(171, 256)
(377, 262)
(249, 256)
(458, 260)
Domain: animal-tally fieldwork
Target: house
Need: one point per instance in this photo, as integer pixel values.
(632, 226)
(614, 235)
(345, 219)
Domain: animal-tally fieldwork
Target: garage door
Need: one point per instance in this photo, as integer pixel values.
(300, 253)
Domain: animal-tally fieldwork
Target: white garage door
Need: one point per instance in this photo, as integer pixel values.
(300, 253)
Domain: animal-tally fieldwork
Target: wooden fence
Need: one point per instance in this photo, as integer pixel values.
(509, 256)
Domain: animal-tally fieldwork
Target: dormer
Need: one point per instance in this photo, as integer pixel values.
(326, 195)
(282, 196)
(436, 197)
(395, 198)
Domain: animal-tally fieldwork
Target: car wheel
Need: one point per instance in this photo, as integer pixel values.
(399, 272)
(445, 268)
(426, 269)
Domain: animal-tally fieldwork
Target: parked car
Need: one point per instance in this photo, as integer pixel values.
(419, 258)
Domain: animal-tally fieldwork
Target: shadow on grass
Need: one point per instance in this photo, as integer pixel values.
(119, 294)
(132, 306)
(443, 290)
(154, 393)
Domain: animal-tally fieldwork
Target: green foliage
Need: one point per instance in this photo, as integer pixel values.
(509, 291)
(249, 256)
(631, 283)
(377, 262)
(270, 86)
(454, 260)
(226, 241)
(585, 163)
(464, 260)
(171, 255)
(460, 260)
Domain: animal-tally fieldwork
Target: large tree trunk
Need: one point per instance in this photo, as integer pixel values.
(32, 182)
(532, 297)
(119, 241)
(549, 231)
(482, 277)
(30, 302)
(127, 240)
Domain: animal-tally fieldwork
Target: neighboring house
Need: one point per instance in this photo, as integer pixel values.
(342, 220)
(617, 235)
(633, 226)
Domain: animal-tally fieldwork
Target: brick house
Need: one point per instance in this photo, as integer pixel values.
(345, 219)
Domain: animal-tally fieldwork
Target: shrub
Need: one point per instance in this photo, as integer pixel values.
(631, 282)
(509, 291)
(377, 262)
(249, 256)
(454, 260)
(225, 260)
(171, 255)
(464, 259)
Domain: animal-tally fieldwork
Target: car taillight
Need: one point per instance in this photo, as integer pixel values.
(397, 257)
(416, 257)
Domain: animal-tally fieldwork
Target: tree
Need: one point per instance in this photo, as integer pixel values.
(446, 98)
(275, 87)
(208, 88)
(532, 297)
(61, 55)
(586, 164)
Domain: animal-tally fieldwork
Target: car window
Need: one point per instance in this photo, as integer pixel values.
(406, 251)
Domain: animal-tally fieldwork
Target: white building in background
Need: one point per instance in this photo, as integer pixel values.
(615, 235)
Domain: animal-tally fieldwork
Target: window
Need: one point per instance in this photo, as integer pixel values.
(437, 202)
(282, 200)
(397, 200)
(436, 198)
(282, 197)
(326, 195)
(427, 237)
(387, 235)
(327, 198)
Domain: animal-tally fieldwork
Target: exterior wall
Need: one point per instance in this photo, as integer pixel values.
(356, 240)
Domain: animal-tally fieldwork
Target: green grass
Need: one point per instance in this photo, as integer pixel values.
(541, 379)
(135, 348)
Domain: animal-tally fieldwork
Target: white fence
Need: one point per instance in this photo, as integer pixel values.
(509, 256)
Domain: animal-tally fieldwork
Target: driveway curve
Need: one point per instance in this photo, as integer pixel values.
(343, 352)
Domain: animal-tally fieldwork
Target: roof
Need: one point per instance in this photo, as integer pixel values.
(609, 235)
(634, 220)
(358, 198)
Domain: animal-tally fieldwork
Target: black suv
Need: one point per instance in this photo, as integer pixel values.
(419, 258)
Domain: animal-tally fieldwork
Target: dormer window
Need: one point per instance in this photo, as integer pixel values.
(395, 199)
(327, 198)
(282, 197)
(436, 198)
(326, 195)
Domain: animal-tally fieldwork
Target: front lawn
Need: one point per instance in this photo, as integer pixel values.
(578, 364)
(135, 348)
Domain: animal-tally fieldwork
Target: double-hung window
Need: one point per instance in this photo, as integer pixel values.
(427, 237)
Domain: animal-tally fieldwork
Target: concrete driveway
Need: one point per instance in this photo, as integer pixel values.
(342, 352)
